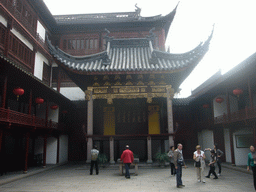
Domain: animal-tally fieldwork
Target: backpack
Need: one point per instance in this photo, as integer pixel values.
(94, 154)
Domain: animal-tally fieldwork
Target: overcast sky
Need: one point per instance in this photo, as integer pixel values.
(234, 37)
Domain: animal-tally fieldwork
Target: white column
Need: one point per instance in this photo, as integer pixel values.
(170, 94)
(149, 150)
(111, 147)
(88, 97)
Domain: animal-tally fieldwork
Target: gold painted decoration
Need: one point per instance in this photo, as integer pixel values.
(100, 90)
(162, 82)
(128, 77)
(140, 76)
(117, 77)
(158, 89)
(140, 83)
(153, 119)
(129, 83)
(109, 120)
(96, 84)
(151, 83)
(95, 78)
(118, 83)
(105, 77)
(107, 83)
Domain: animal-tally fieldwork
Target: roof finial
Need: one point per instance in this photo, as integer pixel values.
(138, 10)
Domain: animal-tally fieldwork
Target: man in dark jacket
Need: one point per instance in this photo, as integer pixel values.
(127, 158)
(178, 163)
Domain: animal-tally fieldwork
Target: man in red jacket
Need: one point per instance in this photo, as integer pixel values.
(127, 158)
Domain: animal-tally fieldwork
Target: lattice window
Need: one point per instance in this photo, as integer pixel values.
(46, 74)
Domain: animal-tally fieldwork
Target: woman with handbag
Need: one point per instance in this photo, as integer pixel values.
(199, 158)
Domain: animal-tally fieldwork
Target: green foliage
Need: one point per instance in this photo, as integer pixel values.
(162, 157)
(102, 158)
(135, 155)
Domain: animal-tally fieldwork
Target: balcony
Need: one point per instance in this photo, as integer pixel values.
(13, 117)
(241, 115)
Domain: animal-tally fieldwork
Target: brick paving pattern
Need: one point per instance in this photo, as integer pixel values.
(76, 177)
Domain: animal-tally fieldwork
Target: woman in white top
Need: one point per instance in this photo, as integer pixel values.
(199, 156)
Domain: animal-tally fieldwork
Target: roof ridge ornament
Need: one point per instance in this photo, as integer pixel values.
(137, 10)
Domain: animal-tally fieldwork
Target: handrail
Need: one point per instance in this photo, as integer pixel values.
(14, 117)
(243, 114)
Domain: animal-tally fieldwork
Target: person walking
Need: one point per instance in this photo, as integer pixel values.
(252, 163)
(199, 158)
(127, 158)
(94, 160)
(178, 163)
(219, 154)
(171, 156)
(212, 165)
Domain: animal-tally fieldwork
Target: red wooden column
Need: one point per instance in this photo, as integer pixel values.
(1, 138)
(30, 102)
(232, 146)
(58, 149)
(250, 93)
(45, 147)
(4, 92)
(228, 104)
(26, 153)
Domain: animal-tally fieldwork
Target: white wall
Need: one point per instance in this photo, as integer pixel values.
(3, 20)
(241, 153)
(227, 151)
(206, 141)
(72, 93)
(63, 156)
(22, 38)
(51, 152)
(39, 64)
(40, 30)
(219, 108)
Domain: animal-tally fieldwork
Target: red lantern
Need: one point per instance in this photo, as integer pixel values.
(54, 107)
(39, 100)
(206, 106)
(18, 91)
(237, 92)
(219, 99)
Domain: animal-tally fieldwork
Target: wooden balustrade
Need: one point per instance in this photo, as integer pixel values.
(243, 114)
(14, 117)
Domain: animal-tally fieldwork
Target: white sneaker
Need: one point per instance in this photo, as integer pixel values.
(198, 181)
(203, 181)
(218, 174)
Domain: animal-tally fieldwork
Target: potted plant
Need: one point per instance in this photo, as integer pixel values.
(102, 159)
(162, 158)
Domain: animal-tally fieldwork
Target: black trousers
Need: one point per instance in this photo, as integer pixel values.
(254, 176)
(219, 165)
(173, 170)
(96, 167)
(212, 170)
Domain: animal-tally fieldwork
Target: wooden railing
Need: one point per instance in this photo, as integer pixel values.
(14, 117)
(244, 114)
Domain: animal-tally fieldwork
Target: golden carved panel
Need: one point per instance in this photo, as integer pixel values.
(129, 90)
(100, 90)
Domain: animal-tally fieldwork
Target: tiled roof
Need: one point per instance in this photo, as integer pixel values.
(130, 55)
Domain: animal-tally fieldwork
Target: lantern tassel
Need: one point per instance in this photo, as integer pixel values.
(17, 97)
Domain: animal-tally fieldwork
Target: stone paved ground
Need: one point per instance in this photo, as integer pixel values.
(75, 177)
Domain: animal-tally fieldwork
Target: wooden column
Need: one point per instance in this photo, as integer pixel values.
(46, 114)
(4, 92)
(26, 153)
(45, 148)
(250, 93)
(89, 123)
(228, 104)
(232, 146)
(30, 102)
(58, 79)
(1, 139)
(170, 94)
(111, 147)
(149, 145)
(58, 149)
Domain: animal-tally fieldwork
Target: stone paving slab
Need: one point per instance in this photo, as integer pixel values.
(75, 177)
